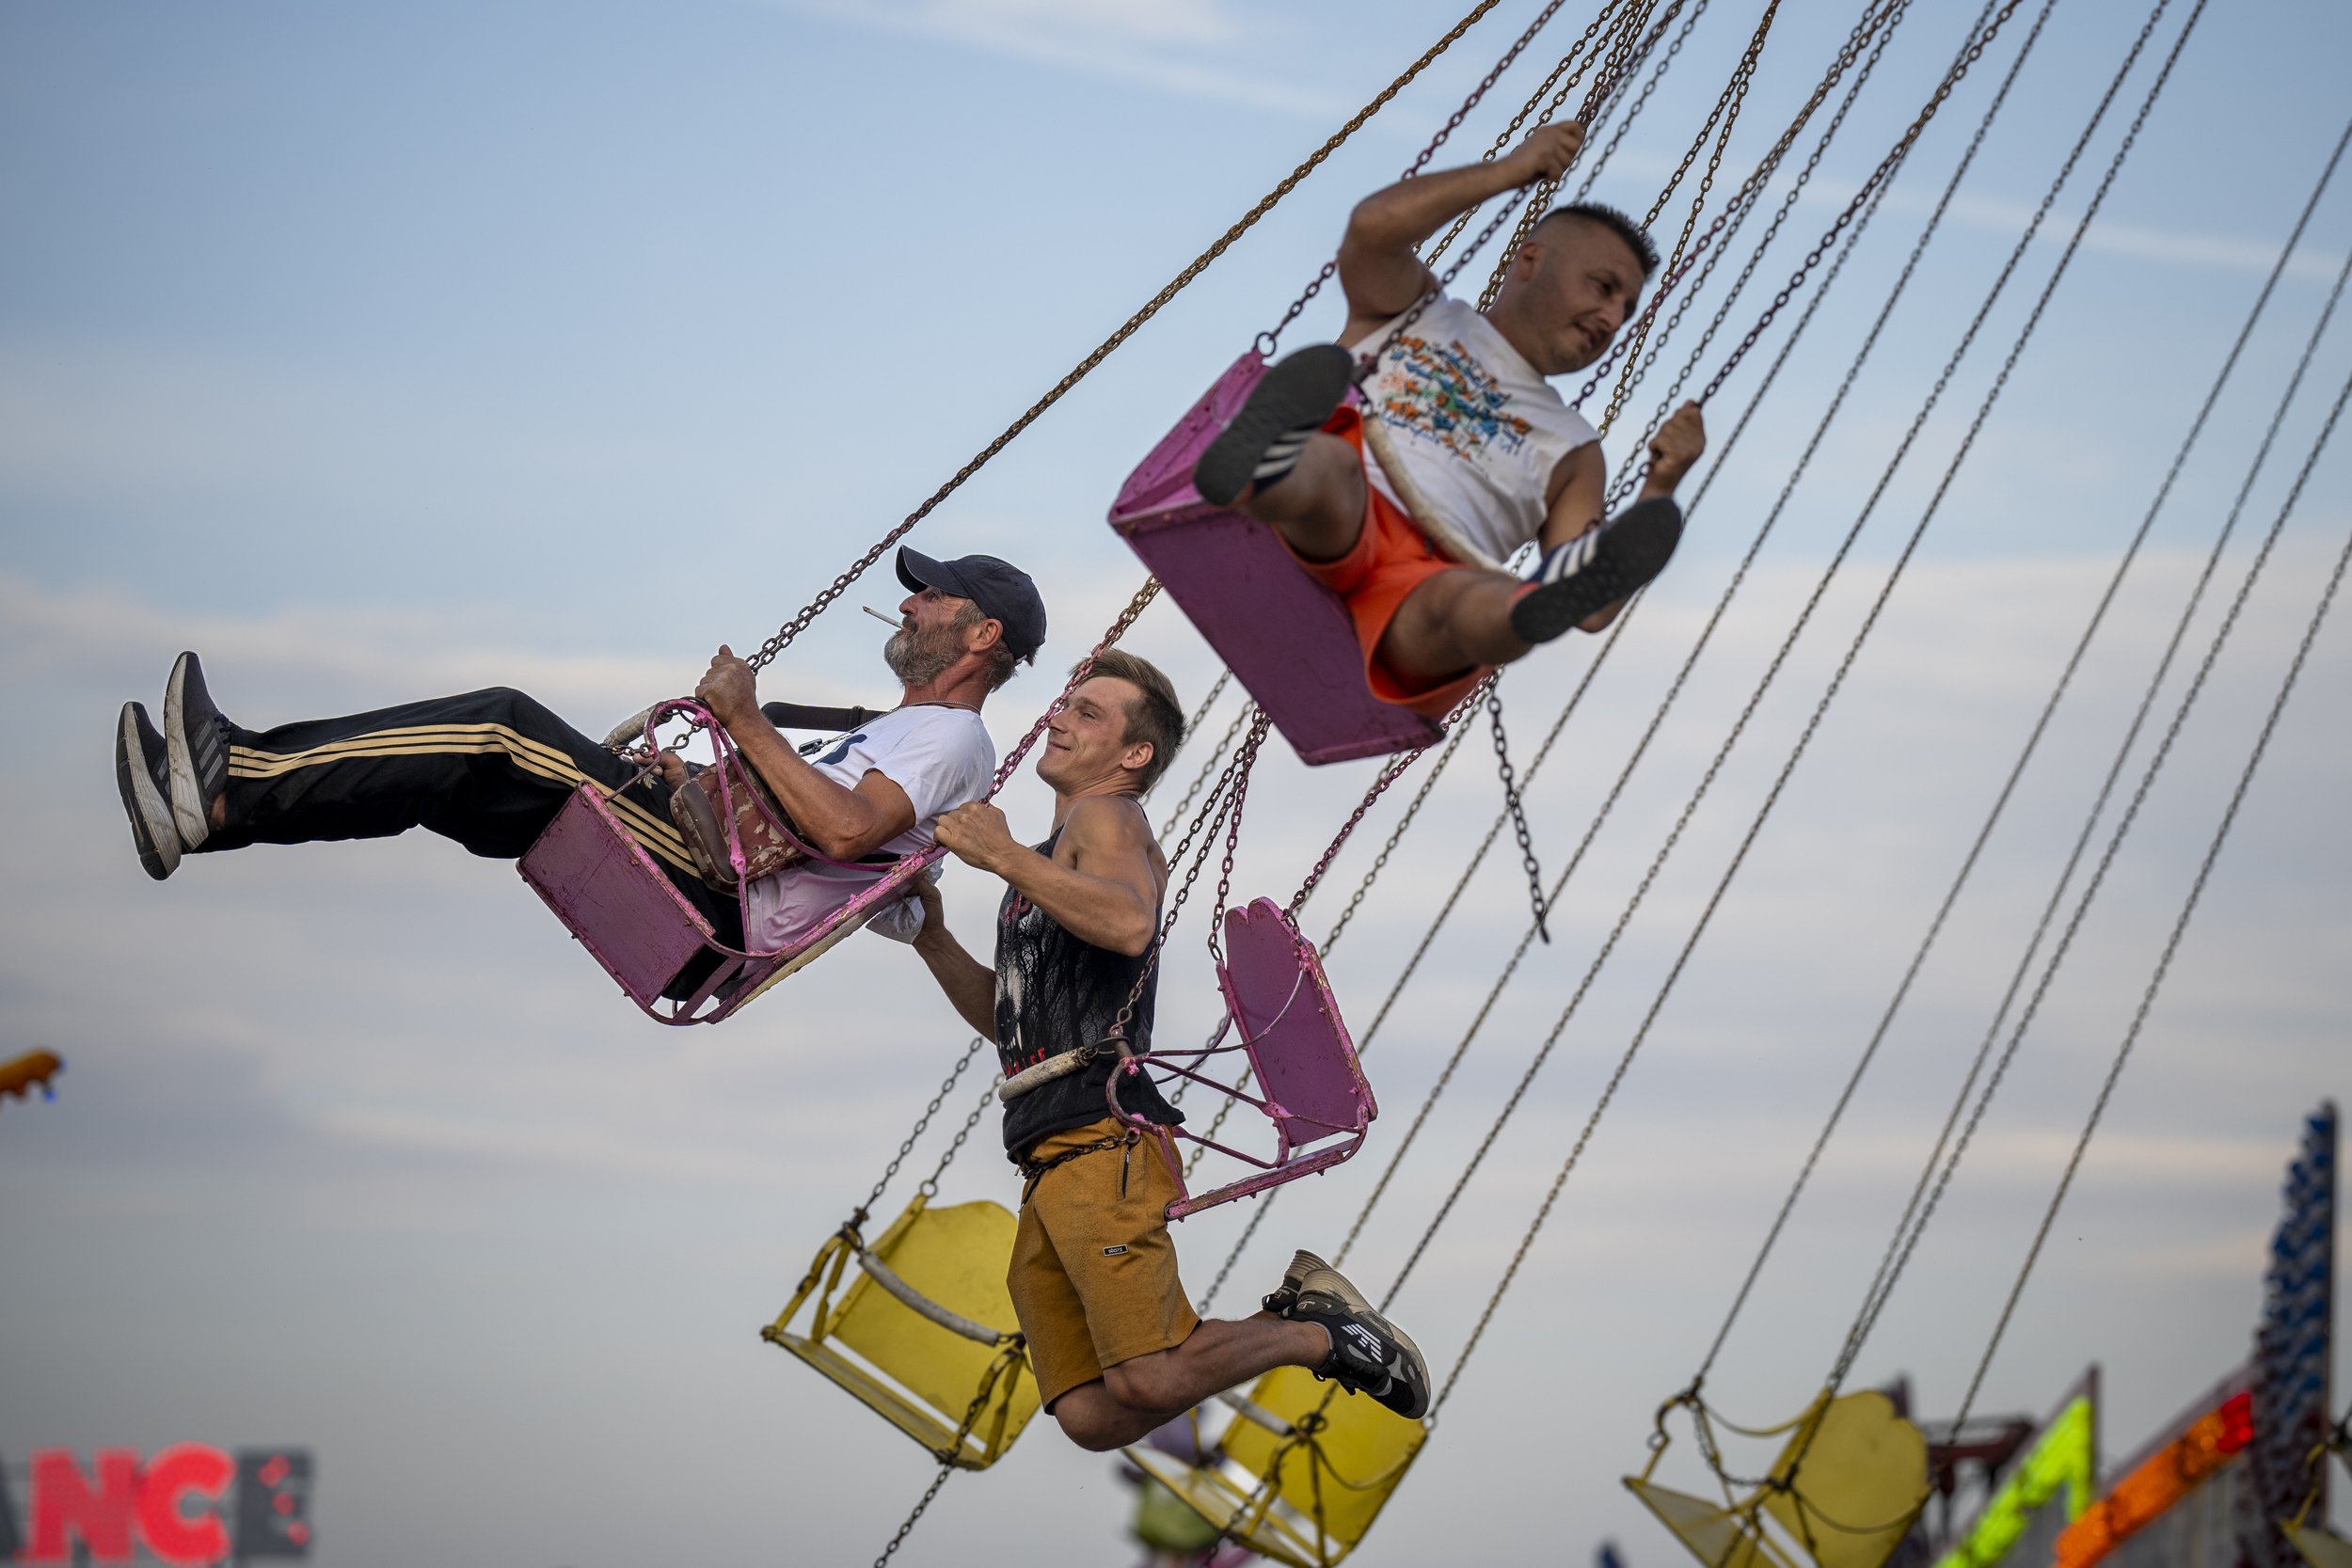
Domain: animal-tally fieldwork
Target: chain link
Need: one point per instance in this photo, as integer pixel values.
(1535, 900)
(791, 629)
(1821, 706)
(922, 1124)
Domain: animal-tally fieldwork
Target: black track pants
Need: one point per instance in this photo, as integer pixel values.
(488, 768)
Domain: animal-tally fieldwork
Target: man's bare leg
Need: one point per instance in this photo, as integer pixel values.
(1318, 508)
(1135, 1398)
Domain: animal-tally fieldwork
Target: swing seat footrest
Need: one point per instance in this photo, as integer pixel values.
(1265, 1181)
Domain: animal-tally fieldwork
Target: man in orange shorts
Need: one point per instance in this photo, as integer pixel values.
(1480, 432)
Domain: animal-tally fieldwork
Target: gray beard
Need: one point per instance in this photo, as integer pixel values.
(918, 659)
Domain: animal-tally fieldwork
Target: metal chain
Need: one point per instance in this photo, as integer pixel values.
(2016, 772)
(1751, 196)
(1232, 786)
(1878, 177)
(1224, 744)
(1504, 138)
(1908, 1231)
(930, 1186)
(1403, 822)
(1641, 100)
(1822, 708)
(1078, 674)
(791, 629)
(1536, 902)
(922, 1123)
(1268, 340)
(1616, 67)
(2188, 906)
(1389, 774)
(1014, 1349)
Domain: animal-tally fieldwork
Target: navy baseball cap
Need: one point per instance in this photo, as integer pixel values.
(1002, 590)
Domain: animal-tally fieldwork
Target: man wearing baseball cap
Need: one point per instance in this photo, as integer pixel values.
(490, 768)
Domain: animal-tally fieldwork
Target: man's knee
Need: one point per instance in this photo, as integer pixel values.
(1089, 1418)
(1146, 1383)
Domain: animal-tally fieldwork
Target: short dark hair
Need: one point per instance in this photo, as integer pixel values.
(1003, 663)
(1636, 237)
(1154, 717)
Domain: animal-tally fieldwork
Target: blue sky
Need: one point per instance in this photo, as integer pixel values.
(378, 352)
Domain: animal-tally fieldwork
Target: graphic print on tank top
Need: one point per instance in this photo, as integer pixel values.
(1057, 993)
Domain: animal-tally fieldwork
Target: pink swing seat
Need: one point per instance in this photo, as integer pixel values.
(1315, 1091)
(1286, 636)
(624, 909)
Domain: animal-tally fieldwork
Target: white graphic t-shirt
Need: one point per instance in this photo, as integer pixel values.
(941, 756)
(1478, 430)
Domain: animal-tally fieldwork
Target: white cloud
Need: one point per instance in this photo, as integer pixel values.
(1190, 48)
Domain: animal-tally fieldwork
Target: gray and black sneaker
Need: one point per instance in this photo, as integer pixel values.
(143, 774)
(1595, 570)
(1369, 1354)
(194, 733)
(1266, 433)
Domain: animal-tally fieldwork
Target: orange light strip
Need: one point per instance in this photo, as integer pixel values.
(2143, 1496)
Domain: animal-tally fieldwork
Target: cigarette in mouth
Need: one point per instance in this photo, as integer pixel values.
(890, 621)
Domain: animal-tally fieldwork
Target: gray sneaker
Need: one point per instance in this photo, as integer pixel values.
(198, 751)
(143, 774)
(1369, 1354)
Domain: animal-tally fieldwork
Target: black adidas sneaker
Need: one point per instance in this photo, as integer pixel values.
(1369, 1354)
(143, 774)
(198, 751)
(1265, 436)
(1595, 570)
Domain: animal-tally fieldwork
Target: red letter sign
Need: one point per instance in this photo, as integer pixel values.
(63, 1500)
(171, 1479)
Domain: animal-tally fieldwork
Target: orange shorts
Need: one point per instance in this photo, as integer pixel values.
(1390, 560)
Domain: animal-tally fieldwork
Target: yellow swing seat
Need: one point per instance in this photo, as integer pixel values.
(925, 1334)
(1844, 1491)
(1297, 1477)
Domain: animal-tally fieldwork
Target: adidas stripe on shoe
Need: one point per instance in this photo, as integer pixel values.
(199, 751)
(1369, 1354)
(1265, 438)
(1595, 570)
(142, 774)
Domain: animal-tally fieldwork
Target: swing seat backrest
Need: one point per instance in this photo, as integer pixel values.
(1856, 1475)
(1306, 1496)
(1312, 1089)
(903, 1363)
(623, 908)
(1285, 636)
(1297, 1044)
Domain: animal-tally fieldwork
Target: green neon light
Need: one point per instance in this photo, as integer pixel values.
(2060, 1458)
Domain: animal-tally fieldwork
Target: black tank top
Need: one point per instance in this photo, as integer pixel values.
(1056, 993)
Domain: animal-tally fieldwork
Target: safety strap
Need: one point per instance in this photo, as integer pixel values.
(1033, 1171)
(807, 716)
(1418, 506)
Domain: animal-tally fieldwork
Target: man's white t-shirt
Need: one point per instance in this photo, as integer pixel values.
(941, 756)
(1473, 424)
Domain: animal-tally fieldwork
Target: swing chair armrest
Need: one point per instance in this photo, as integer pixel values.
(915, 1301)
(1249, 1410)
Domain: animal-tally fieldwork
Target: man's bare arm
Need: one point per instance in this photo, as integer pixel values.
(840, 822)
(1378, 269)
(970, 984)
(1102, 882)
(1578, 491)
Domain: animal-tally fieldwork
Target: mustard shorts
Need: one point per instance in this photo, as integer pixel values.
(1093, 1276)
